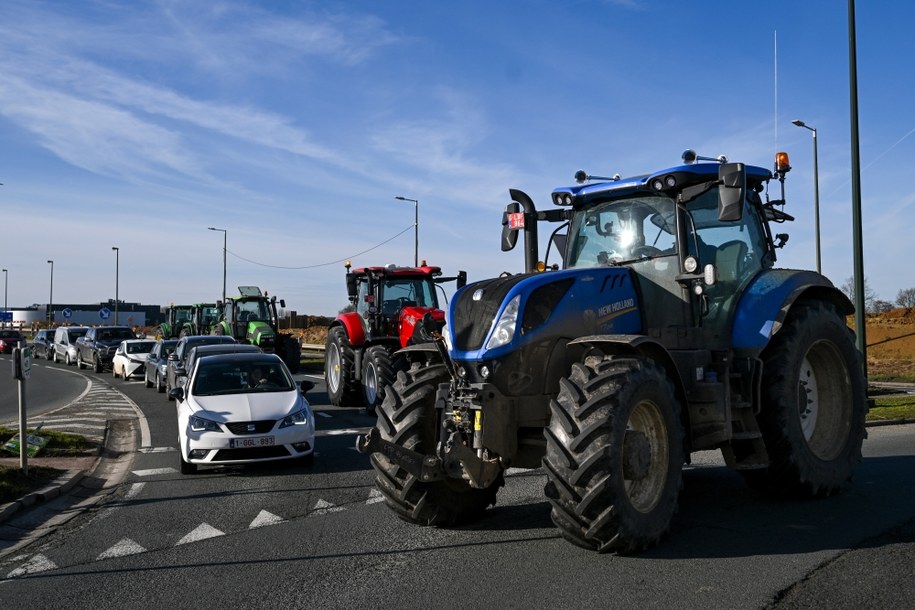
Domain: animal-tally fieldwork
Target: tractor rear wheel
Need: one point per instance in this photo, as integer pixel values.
(614, 454)
(377, 376)
(291, 352)
(407, 417)
(339, 373)
(813, 405)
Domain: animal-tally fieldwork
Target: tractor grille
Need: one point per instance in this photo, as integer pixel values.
(259, 427)
(473, 319)
(255, 453)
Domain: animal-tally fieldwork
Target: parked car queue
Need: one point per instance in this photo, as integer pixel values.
(235, 404)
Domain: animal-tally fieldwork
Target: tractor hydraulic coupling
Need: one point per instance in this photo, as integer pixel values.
(423, 467)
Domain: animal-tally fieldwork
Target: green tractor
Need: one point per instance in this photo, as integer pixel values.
(251, 318)
(204, 317)
(177, 319)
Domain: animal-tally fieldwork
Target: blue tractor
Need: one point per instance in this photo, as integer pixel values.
(666, 330)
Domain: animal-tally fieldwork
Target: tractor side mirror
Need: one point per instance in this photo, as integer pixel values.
(732, 192)
(461, 279)
(351, 287)
(510, 232)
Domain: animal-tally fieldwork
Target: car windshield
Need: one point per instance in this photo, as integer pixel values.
(115, 334)
(240, 377)
(623, 230)
(140, 347)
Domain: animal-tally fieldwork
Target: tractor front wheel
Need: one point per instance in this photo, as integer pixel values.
(813, 405)
(339, 368)
(407, 417)
(377, 376)
(614, 454)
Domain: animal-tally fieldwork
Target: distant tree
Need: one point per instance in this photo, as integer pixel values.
(906, 297)
(348, 308)
(870, 295)
(880, 306)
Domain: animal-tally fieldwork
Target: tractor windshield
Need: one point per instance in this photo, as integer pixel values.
(622, 230)
(253, 310)
(182, 315)
(406, 292)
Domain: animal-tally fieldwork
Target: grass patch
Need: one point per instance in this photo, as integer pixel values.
(892, 407)
(60, 444)
(14, 485)
(891, 377)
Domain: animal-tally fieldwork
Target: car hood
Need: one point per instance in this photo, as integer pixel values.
(252, 406)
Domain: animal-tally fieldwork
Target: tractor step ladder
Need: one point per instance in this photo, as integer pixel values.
(746, 451)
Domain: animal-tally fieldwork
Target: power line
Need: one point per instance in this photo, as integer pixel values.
(248, 260)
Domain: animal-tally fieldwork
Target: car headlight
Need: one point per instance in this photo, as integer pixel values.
(200, 424)
(505, 326)
(299, 418)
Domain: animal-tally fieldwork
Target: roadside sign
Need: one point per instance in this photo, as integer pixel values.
(6, 316)
(67, 313)
(34, 444)
(104, 313)
(26, 361)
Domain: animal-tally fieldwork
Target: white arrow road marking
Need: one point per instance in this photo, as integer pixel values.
(154, 471)
(202, 532)
(322, 507)
(374, 496)
(323, 414)
(38, 563)
(265, 518)
(125, 547)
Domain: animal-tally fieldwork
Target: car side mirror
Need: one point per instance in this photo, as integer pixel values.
(306, 386)
(177, 394)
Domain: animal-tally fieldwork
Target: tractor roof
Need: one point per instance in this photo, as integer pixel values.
(393, 270)
(681, 176)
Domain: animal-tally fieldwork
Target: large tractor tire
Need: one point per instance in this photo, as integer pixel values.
(813, 405)
(407, 417)
(614, 454)
(339, 368)
(291, 352)
(377, 376)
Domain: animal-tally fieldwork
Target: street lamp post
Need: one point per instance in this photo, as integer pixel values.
(225, 239)
(51, 296)
(415, 228)
(117, 275)
(5, 278)
(816, 189)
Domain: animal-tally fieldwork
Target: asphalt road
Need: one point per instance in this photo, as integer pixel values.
(49, 387)
(296, 536)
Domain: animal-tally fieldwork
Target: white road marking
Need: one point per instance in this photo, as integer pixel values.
(375, 496)
(149, 472)
(38, 563)
(157, 449)
(322, 507)
(341, 432)
(134, 490)
(323, 414)
(264, 518)
(125, 547)
(201, 532)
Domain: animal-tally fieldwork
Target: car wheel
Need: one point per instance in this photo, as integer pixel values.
(96, 364)
(146, 381)
(69, 360)
(54, 357)
(159, 385)
(79, 361)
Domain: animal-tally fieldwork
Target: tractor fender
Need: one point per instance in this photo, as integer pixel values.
(352, 323)
(769, 297)
(642, 346)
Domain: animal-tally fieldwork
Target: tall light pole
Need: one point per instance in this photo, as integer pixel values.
(816, 188)
(415, 228)
(51, 296)
(5, 278)
(117, 274)
(225, 240)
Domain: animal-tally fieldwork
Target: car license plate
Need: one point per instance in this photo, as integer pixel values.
(250, 443)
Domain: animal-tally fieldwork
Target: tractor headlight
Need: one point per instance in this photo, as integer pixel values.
(446, 334)
(505, 326)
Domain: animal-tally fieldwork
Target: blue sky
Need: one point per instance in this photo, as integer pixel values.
(293, 125)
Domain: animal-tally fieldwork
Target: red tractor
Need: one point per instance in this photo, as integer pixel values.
(387, 303)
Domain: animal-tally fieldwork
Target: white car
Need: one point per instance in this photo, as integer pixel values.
(130, 357)
(242, 408)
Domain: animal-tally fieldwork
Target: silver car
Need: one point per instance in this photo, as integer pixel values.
(65, 347)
